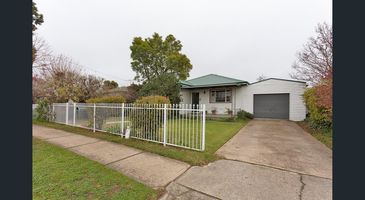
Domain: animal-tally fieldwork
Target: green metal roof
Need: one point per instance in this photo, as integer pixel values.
(212, 80)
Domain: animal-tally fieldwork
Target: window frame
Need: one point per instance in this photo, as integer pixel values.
(226, 90)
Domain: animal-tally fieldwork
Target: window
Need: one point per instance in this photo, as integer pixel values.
(221, 95)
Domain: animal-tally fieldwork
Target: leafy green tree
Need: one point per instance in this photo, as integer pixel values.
(163, 85)
(37, 17)
(107, 85)
(37, 20)
(155, 56)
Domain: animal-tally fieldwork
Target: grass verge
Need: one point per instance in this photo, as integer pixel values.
(323, 135)
(62, 174)
(217, 133)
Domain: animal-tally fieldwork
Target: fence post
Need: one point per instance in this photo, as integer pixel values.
(122, 125)
(53, 113)
(67, 113)
(203, 127)
(74, 121)
(164, 124)
(94, 117)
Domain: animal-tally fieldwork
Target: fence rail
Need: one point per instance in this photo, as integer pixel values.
(180, 125)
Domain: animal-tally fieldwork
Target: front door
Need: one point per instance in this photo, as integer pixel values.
(195, 98)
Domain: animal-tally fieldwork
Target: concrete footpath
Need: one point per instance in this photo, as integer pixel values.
(151, 169)
(222, 179)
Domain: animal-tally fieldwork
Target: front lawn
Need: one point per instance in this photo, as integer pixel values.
(323, 135)
(62, 174)
(217, 133)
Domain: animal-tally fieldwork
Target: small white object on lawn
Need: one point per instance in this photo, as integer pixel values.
(127, 132)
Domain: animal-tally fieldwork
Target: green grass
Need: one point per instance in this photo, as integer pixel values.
(217, 133)
(323, 135)
(62, 174)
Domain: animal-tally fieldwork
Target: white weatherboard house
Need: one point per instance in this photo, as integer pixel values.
(269, 98)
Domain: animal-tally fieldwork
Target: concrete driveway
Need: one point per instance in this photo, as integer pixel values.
(267, 159)
(280, 144)
(234, 180)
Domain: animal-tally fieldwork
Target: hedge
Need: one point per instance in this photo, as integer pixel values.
(241, 114)
(153, 100)
(109, 99)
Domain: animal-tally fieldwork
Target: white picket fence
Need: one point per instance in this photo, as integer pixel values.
(180, 125)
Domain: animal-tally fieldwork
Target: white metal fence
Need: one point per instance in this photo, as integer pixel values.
(180, 125)
(34, 112)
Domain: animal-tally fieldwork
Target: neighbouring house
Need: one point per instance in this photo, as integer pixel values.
(269, 98)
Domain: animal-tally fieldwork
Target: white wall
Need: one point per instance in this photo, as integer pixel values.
(185, 96)
(221, 108)
(243, 97)
(297, 109)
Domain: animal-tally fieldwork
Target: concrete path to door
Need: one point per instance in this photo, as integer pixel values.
(151, 169)
(280, 144)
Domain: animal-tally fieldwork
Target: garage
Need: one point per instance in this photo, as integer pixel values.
(275, 106)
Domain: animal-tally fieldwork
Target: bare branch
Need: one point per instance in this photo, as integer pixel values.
(315, 60)
(63, 80)
(41, 52)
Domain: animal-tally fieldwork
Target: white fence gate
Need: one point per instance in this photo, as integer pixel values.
(180, 125)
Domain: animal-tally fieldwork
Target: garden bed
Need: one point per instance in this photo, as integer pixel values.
(323, 135)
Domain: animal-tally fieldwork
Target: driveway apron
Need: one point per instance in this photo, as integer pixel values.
(280, 144)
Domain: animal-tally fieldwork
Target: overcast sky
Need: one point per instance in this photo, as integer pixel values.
(240, 39)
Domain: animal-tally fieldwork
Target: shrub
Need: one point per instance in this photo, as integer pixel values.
(153, 100)
(111, 99)
(214, 111)
(229, 119)
(43, 110)
(319, 117)
(151, 121)
(102, 113)
(241, 114)
(113, 128)
(229, 111)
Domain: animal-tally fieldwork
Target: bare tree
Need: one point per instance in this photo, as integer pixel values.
(92, 86)
(62, 64)
(63, 80)
(261, 77)
(37, 88)
(315, 60)
(41, 52)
